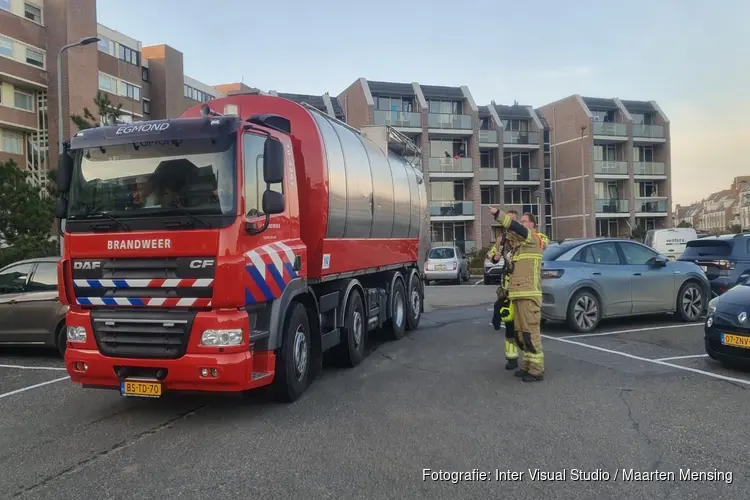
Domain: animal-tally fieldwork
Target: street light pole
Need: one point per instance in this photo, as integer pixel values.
(583, 184)
(60, 136)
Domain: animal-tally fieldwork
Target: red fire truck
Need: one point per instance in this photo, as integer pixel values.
(225, 252)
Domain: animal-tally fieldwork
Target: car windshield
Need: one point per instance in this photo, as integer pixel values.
(146, 178)
(703, 248)
(557, 249)
(441, 253)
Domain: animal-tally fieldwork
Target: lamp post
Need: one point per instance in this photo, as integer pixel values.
(81, 42)
(583, 183)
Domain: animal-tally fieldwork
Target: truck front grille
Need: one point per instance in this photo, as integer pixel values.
(142, 334)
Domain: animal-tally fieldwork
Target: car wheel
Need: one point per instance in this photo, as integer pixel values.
(584, 312)
(690, 302)
(61, 339)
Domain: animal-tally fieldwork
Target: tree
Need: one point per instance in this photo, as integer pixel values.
(684, 223)
(735, 228)
(104, 108)
(26, 216)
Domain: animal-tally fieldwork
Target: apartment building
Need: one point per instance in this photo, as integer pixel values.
(612, 166)
(148, 82)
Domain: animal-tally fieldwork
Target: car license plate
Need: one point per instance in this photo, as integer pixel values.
(440, 267)
(140, 388)
(735, 340)
(705, 269)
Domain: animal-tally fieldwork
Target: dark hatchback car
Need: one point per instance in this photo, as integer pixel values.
(30, 308)
(727, 329)
(725, 259)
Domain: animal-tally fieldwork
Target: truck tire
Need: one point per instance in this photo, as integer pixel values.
(396, 326)
(351, 351)
(292, 376)
(413, 304)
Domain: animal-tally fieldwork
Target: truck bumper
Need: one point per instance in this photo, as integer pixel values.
(234, 372)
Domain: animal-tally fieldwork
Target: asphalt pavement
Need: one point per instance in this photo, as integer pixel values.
(622, 412)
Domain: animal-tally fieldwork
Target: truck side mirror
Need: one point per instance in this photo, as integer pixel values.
(61, 208)
(64, 171)
(273, 162)
(273, 202)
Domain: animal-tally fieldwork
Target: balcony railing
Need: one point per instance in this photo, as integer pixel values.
(451, 165)
(510, 137)
(464, 245)
(451, 208)
(602, 167)
(489, 174)
(652, 206)
(488, 136)
(610, 128)
(612, 206)
(648, 131)
(397, 118)
(648, 168)
(522, 208)
(521, 174)
(449, 121)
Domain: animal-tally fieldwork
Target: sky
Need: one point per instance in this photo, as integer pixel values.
(690, 56)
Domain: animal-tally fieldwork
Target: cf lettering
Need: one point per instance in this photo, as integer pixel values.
(201, 264)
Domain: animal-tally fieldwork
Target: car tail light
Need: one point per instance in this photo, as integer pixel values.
(725, 264)
(548, 274)
(455, 265)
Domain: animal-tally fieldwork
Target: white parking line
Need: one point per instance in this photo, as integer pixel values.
(634, 330)
(24, 389)
(674, 358)
(20, 367)
(647, 360)
(478, 282)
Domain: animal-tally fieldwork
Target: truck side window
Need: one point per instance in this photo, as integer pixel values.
(253, 166)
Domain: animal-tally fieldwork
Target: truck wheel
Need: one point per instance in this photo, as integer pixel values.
(414, 304)
(292, 376)
(396, 326)
(351, 350)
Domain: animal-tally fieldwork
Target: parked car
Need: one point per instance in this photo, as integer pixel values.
(727, 329)
(586, 280)
(30, 308)
(446, 263)
(725, 259)
(670, 242)
(492, 270)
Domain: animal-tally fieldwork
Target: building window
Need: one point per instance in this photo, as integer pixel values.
(515, 125)
(130, 91)
(107, 83)
(128, 55)
(144, 74)
(394, 103)
(6, 47)
(12, 142)
(146, 106)
(445, 107)
(196, 94)
(490, 195)
(32, 13)
(34, 58)
(23, 100)
(106, 45)
(517, 160)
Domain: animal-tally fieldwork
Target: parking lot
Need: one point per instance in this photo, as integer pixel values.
(635, 395)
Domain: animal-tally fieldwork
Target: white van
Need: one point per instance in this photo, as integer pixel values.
(670, 242)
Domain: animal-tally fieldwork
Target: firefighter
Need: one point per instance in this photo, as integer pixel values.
(529, 220)
(502, 309)
(524, 252)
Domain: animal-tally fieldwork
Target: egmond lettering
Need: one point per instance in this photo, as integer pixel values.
(145, 244)
(145, 127)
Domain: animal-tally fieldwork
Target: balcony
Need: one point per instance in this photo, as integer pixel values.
(605, 168)
(489, 174)
(511, 138)
(488, 136)
(642, 130)
(612, 206)
(522, 208)
(529, 175)
(465, 245)
(463, 209)
(403, 119)
(649, 169)
(610, 129)
(451, 167)
(650, 206)
(449, 121)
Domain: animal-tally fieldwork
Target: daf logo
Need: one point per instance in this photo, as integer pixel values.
(87, 265)
(742, 317)
(201, 264)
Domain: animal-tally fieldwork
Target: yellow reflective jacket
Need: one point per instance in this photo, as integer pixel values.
(526, 256)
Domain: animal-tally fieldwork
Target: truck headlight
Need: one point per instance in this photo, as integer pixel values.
(76, 334)
(221, 338)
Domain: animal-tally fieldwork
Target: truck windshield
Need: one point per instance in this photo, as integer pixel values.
(153, 178)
